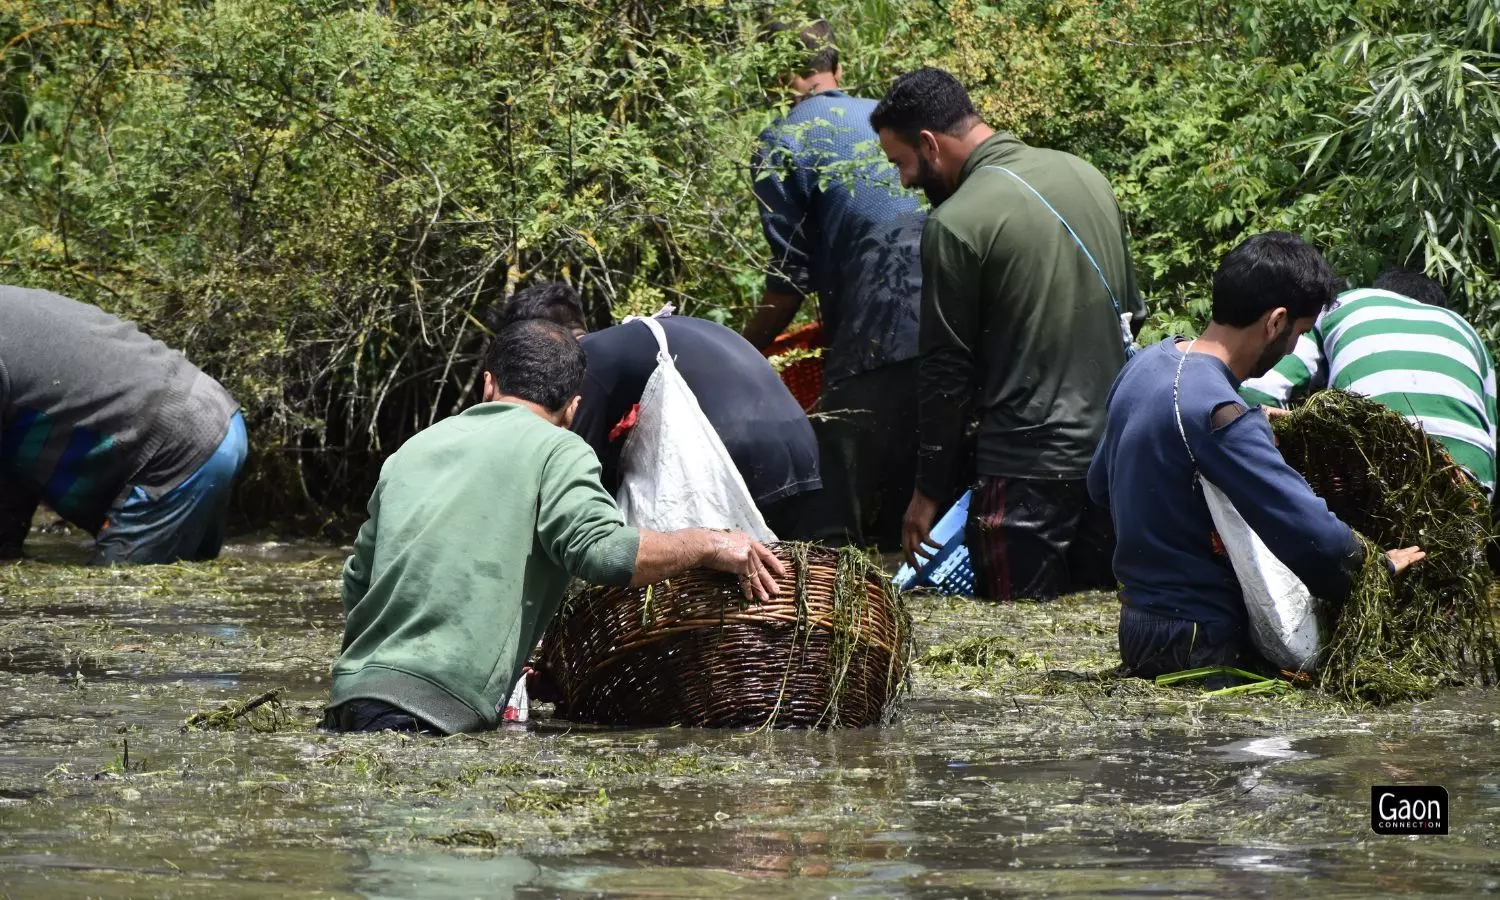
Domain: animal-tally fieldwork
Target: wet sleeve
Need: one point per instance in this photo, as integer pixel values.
(357, 567)
(1298, 374)
(948, 334)
(1097, 481)
(578, 524)
(1241, 459)
(783, 192)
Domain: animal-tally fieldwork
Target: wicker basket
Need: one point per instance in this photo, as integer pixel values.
(1401, 639)
(1389, 481)
(804, 378)
(830, 651)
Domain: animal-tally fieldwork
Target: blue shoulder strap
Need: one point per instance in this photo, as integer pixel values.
(1129, 350)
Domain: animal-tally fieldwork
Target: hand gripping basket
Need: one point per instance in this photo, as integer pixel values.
(831, 651)
(804, 378)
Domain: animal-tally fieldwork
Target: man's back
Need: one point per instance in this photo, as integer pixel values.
(476, 526)
(761, 424)
(1422, 361)
(88, 404)
(840, 224)
(1010, 288)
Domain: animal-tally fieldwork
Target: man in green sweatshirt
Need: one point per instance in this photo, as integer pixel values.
(476, 527)
(1026, 287)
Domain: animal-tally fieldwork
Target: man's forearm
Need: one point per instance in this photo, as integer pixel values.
(777, 309)
(662, 556)
(666, 555)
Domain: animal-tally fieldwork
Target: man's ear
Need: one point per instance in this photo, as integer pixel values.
(570, 412)
(1276, 321)
(838, 74)
(490, 391)
(927, 146)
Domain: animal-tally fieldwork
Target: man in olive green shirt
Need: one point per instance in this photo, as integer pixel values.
(1028, 299)
(476, 526)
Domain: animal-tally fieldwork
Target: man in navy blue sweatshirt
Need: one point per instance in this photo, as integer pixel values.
(1181, 605)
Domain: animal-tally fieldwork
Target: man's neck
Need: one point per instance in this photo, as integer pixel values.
(964, 145)
(535, 408)
(1231, 346)
(821, 83)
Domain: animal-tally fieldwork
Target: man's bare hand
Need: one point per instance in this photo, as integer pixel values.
(1403, 558)
(916, 529)
(746, 557)
(1275, 412)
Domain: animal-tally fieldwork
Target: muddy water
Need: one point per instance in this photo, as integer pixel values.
(1012, 772)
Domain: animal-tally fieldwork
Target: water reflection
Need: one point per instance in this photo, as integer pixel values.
(970, 794)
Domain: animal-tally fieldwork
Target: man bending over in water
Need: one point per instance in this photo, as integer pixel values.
(1181, 604)
(476, 526)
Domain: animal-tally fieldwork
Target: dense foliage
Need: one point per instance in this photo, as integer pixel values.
(320, 201)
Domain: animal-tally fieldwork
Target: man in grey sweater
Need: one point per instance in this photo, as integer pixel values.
(116, 432)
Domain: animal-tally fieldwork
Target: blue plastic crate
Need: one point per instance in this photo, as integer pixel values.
(949, 570)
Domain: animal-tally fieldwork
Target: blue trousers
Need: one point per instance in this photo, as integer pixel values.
(186, 523)
(1151, 645)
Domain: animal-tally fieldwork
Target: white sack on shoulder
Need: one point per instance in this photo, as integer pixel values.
(674, 470)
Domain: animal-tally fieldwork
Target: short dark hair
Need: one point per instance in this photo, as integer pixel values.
(554, 301)
(538, 361)
(817, 39)
(1413, 284)
(925, 100)
(1270, 270)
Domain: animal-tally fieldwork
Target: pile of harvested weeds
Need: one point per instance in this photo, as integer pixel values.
(1397, 487)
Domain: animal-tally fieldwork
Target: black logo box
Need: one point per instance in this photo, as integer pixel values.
(1402, 809)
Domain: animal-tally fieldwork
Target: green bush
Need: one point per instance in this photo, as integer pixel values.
(321, 201)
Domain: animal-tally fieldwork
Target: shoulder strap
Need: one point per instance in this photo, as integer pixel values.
(656, 331)
(1076, 239)
(1177, 406)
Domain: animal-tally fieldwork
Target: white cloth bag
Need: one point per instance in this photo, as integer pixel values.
(674, 470)
(1283, 613)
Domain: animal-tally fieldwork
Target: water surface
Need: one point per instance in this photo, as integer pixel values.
(1024, 776)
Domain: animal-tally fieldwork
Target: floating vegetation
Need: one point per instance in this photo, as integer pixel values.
(1253, 683)
(1397, 487)
(481, 838)
(984, 651)
(263, 712)
(104, 794)
(831, 651)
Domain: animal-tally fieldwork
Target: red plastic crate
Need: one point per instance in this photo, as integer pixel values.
(804, 378)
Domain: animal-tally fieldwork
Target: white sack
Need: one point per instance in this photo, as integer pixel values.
(1282, 611)
(674, 470)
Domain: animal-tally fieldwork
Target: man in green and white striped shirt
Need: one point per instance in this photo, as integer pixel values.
(1399, 345)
